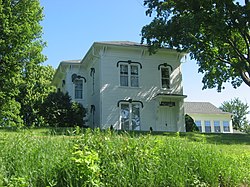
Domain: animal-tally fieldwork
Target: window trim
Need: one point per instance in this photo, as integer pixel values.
(129, 62)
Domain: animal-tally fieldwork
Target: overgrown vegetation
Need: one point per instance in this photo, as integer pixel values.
(108, 158)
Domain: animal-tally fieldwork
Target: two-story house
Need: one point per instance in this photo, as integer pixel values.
(121, 84)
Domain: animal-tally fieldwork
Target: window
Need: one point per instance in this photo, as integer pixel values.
(165, 77)
(226, 126)
(129, 75)
(198, 124)
(207, 126)
(216, 126)
(130, 116)
(134, 80)
(78, 89)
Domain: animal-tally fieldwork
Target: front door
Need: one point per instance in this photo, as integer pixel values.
(166, 119)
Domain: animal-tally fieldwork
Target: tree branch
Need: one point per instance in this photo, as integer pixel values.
(225, 61)
(233, 45)
(247, 41)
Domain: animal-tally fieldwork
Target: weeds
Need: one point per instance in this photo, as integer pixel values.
(97, 158)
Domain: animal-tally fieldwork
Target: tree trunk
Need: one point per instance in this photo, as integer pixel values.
(246, 77)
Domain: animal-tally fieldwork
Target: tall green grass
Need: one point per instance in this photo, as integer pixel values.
(98, 158)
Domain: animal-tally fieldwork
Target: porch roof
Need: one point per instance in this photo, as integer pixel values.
(170, 96)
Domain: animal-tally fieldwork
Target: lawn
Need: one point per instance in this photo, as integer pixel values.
(76, 157)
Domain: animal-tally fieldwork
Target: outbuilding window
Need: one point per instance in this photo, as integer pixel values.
(226, 126)
(207, 126)
(217, 126)
(198, 124)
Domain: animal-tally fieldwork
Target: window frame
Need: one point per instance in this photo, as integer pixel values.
(205, 124)
(168, 79)
(129, 76)
(78, 90)
(130, 118)
(228, 126)
(217, 125)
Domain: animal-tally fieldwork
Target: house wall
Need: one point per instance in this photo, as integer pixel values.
(93, 92)
(149, 84)
(70, 87)
(212, 118)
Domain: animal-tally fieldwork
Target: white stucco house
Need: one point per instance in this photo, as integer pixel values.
(209, 118)
(121, 85)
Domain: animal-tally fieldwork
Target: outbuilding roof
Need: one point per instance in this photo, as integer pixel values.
(202, 108)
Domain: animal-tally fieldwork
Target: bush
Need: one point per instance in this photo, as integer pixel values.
(59, 111)
(190, 124)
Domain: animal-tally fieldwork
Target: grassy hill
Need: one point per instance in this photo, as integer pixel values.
(73, 157)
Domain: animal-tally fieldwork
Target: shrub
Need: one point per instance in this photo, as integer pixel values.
(59, 111)
(190, 124)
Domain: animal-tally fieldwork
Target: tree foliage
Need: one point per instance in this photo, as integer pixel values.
(59, 111)
(239, 111)
(34, 88)
(216, 33)
(20, 47)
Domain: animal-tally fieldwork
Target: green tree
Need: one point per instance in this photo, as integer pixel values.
(215, 33)
(59, 111)
(35, 87)
(20, 46)
(239, 111)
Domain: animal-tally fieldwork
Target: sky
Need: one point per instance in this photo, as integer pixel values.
(70, 27)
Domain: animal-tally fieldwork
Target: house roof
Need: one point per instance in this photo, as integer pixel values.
(71, 61)
(121, 43)
(202, 108)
